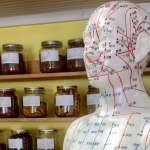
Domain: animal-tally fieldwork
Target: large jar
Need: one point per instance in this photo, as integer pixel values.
(20, 140)
(67, 101)
(12, 59)
(9, 103)
(2, 141)
(51, 57)
(75, 51)
(34, 102)
(47, 140)
(92, 100)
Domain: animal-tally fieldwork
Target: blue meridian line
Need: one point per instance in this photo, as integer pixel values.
(85, 135)
(73, 125)
(136, 148)
(147, 145)
(66, 142)
(108, 136)
(145, 125)
(102, 120)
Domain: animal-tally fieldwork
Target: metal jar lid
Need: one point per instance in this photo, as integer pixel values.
(33, 88)
(19, 131)
(92, 87)
(75, 40)
(12, 47)
(68, 87)
(48, 131)
(7, 89)
(47, 44)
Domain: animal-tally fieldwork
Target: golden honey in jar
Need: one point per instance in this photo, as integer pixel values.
(51, 57)
(67, 101)
(34, 102)
(75, 51)
(92, 100)
(12, 59)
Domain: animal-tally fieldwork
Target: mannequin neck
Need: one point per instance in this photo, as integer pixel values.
(124, 96)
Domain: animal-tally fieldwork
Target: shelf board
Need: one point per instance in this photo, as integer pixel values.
(42, 76)
(71, 119)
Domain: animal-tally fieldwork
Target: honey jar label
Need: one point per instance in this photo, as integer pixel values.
(10, 58)
(93, 99)
(15, 143)
(45, 143)
(64, 100)
(49, 55)
(5, 101)
(31, 100)
(75, 53)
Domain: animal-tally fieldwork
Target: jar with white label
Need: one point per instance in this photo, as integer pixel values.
(47, 140)
(2, 141)
(51, 57)
(67, 101)
(92, 100)
(20, 140)
(34, 102)
(75, 51)
(9, 104)
(12, 59)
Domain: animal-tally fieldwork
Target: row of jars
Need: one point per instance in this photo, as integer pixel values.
(67, 102)
(23, 140)
(51, 57)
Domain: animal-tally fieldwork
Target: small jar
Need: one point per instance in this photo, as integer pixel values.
(92, 100)
(75, 51)
(67, 101)
(51, 58)
(2, 141)
(9, 103)
(34, 102)
(47, 140)
(20, 140)
(12, 59)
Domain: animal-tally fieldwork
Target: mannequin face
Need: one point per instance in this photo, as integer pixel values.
(110, 43)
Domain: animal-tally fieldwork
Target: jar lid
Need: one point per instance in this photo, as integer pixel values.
(19, 131)
(33, 88)
(92, 87)
(48, 131)
(75, 40)
(69, 87)
(50, 43)
(7, 89)
(12, 47)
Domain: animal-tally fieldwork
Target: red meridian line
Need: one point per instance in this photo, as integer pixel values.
(124, 131)
(124, 52)
(76, 128)
(147, 138)
(97, 24)
(103, 61)
(113, 94)
(122, 114)
(113, 12)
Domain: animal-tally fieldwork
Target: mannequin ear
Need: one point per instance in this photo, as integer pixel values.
(142, 47)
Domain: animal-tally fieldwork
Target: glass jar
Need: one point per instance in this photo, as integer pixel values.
(9, 104)
(2, 141)
(75, 51)
(92, 100)
(34, 102)
(12, 59)
(47, 140)
(51, 58)
(20, 140)
(67, 101)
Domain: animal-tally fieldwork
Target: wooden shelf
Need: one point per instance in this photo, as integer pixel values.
(44, 76)
(71, 119)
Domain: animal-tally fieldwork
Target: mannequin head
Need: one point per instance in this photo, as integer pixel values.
(117, 43)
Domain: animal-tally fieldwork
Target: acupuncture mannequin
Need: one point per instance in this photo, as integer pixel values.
(117, 49)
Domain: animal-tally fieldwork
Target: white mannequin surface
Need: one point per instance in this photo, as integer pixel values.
(117, 49)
